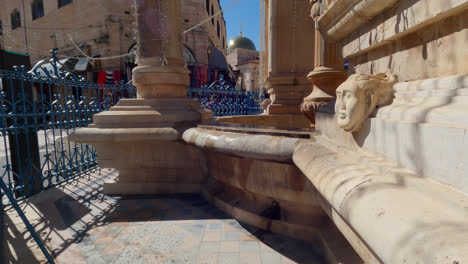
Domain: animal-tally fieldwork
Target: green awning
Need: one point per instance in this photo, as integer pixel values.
(17, 53)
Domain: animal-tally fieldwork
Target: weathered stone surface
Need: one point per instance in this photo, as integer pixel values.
(343, 17)
(427, 123)
(403, 19)
(359, 96)
(399, 216)
(289, 58)
(244, 145)
(284, 121)
(141, 137)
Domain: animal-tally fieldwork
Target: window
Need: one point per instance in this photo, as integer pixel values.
(15, 19)
(212, 13)
(208, 7)
(217, 28)
(224, 43)
(61, 3)
(1, 28)
(37, 9)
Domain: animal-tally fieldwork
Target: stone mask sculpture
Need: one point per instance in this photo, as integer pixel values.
(359, 96)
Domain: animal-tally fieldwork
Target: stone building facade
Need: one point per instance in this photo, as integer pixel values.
(245, 64)
(249, 80)
(100, 28)
(212, 33)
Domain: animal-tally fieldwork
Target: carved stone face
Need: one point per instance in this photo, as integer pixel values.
(351, 106)
(359, 96)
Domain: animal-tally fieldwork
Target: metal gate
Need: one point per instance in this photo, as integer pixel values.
(38, 111)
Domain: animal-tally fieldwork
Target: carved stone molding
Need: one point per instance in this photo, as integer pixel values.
(344, 16)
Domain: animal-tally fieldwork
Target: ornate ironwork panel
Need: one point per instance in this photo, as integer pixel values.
(224, 99)
(38, 111)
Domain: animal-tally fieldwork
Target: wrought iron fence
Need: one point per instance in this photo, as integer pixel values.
(38, 110)
(224, 99)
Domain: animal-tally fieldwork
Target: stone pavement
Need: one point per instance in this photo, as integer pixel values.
(81, 225)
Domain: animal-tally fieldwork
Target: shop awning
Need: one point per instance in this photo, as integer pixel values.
(70, 65)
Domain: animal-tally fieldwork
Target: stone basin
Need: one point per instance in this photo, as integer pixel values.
(250, 175)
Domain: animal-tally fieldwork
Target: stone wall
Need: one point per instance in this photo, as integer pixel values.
(423, 44)
(250, 76)
(239, 56)
(414, 39)
(99, 28)
(397, 186)
(198, 40)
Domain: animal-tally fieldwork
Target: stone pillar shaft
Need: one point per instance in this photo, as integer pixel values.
(161, 69)
(290, 55)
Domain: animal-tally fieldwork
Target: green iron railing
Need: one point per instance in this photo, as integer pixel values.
(224, 99)
(38, 111)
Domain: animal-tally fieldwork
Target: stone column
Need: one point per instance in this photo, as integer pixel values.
(289, 56)
(141, 138)
(328, 71)
(160, 71)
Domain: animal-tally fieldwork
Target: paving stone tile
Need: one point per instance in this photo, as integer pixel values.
(250, 258)
(230, 236)
(95, 259)
(165, 241)
(100, 247)
(285, 260)
(93, 237)
(229, 246)
(211, 247)
(196, 229)
(236, 225)
(249, 246)
(228, 228)
(155, 258)
(214, 227)
(246, 236)
(228, 258)
(270, 258)
(212, 236)
(104, 239)
(113, 248)
(114, 229)
(97, 230)
(208, 258)
(189, 258)
(265, 248)
(90, 253)
(109, 258)
(130, 255)
(86, 244)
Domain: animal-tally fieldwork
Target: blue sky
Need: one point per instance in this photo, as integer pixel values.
(247, 12)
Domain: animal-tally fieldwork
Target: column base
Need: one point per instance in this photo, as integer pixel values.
(286, 94)
(279, 109)
(141, 139)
